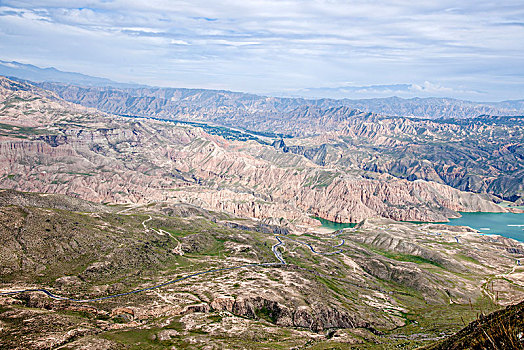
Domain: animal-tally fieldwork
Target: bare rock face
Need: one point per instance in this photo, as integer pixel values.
(86, 154)
(325, 318)
(316, 317)
(482, 155)
(167, 334)
(397, 199)
(196, 308)
(223, 303)
(476, 152)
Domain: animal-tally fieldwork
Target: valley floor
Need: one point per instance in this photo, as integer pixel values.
(379, 285)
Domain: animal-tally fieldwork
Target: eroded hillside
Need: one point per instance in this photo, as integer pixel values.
(474, 152)
(52, 146)
(203, 237)
(482, 155)
(205, 278)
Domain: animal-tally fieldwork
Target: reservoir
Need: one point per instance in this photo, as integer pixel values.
(505, 224)
(334, 226)
(509, 225)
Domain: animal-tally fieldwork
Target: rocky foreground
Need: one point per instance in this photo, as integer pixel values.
(382, 284)
(502, 329)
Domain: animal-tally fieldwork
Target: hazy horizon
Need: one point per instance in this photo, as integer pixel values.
(337, 49)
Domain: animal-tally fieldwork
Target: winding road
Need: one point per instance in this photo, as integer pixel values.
(281, 243)
(275, 250)
(57, 297)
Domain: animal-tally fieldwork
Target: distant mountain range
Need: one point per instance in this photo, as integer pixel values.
(37, 74)
(433, 107)
(482, 155)
(123, 98)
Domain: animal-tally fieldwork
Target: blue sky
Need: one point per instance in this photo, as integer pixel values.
(467, 49)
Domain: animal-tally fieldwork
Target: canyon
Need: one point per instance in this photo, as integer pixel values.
(476, 151)
(74, 150)
(192, 223)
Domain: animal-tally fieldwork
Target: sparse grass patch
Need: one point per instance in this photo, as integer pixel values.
(467, 258)
(402, 257)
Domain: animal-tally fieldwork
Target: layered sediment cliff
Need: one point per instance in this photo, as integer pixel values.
(112, 159)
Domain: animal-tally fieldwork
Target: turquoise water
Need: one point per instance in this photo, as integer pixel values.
(333, 225)
(505, 224)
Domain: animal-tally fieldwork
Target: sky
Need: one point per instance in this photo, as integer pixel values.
(469, 49)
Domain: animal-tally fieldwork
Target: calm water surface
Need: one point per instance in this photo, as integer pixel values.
(333, 225)
(505, 224)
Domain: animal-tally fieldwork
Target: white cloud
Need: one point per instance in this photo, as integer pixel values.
(178, 42)
(437, 89)
(270, 45)
(429, 87)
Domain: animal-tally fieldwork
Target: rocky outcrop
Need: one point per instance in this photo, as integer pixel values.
(316, 317)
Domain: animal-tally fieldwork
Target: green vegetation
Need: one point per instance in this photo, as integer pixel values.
(137, 338)
(21, 131)
(447, 318)
(467, 258)
(321, 179)
(123, 255)
(406, 257)
(402, 257)
(266, 314)
(500, 330)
